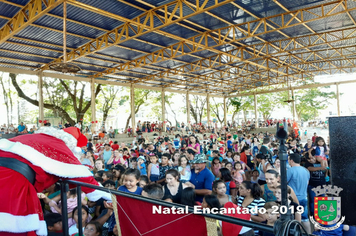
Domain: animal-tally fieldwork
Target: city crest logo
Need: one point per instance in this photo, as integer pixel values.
(327, 209)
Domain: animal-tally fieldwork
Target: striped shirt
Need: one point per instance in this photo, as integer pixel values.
(259, 203)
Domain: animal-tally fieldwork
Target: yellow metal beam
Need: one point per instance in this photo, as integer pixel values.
(26, 16)
(143, 24)
(228, 34)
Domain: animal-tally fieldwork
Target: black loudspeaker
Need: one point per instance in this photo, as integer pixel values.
(342, 132)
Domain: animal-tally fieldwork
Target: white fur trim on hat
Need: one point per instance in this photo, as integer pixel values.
(22, 224)
(49, 165)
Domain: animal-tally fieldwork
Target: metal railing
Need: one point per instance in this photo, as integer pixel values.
(228, 219)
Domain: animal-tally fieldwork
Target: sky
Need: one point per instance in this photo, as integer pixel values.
(347, 102)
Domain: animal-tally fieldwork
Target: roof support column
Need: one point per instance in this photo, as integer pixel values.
(132, 103)
(225, 111)
(208, 108)
(188, 108)
(293, 105)
(40, 97)
(163, 96)
(92, 104)
(256, 113)
(338, 100)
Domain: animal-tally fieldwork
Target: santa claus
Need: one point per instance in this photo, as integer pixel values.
(31, 163)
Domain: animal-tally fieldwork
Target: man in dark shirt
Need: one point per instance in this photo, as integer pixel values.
(67, 125)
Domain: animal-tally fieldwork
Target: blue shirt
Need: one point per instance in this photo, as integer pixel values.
(124, 189)
(203, 180)
(298, 179)
(229, 144)
(21, 128)
(106, 156)
(143, 170)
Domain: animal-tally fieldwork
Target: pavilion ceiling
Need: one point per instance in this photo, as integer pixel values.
(220, 47)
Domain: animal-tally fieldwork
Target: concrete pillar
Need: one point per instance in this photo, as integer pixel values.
(132, 103)
(293, 105)
(188, 109)
(256, 113)
(225, 112)
(163, 94)
(338, 100)
(40, 98)
(208, 108)
(92, 105)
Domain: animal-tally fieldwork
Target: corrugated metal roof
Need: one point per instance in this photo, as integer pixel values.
(57, 23)
(41, 42)
(8, 10)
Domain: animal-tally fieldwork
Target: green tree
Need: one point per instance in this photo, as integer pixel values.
(106, 99)
(62, 97)
(247, 104)
(197, 108)
(266, 103)
(309, 102)
(235, 104)
(216, 107)
(142, 96)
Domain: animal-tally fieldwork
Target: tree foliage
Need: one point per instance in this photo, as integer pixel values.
(309, 102)
(142, 96)
(106, 100)
(266, 104)
(197, 108)
(62, 96)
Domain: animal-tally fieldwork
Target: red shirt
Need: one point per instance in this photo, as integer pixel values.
(243, 157)
(313, 138)
(126, 157)
(115, 147)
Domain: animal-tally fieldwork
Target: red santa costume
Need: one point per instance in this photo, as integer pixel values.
(50, 155)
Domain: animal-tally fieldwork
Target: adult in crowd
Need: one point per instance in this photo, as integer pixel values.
(21, 128)
(251, 198)
(111, 132)
(201, 178)
(106, 155)
(298, 179)
(173, 189)
(317, 178)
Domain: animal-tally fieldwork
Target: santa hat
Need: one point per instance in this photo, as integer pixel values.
(71, 136)
(49, 154)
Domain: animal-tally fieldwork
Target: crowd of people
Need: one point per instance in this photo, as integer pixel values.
(197, 168)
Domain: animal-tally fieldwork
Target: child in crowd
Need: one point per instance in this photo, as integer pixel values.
(238, 174)
(143, 181)
(141, 165)
(54, 224)
(163, 167)
(131, 178)
(229, 156)
(107, 175)
(133, 163)
(118, 172)
(215, 166)
(254, 177)
(219, 189)
(225, 175)
(229, 166)
(153, 168)
(321, 154)
(297, 213)
(184, 169)
(272, 215)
